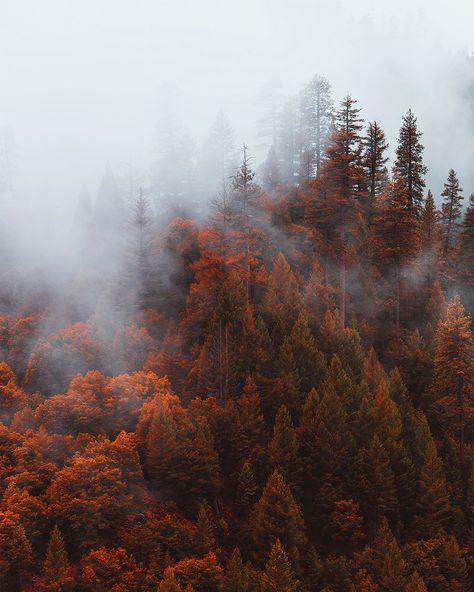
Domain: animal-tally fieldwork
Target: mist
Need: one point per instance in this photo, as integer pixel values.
(89, 86)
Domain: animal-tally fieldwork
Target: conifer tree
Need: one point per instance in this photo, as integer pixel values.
(465, 264)
(57, 571)
(384, 562)
(245, 198)
(246, 487)
(409, 168)
(415, 583)
(336, 198)
(395, 238)
(283, 449)
(376, 482)
(375, 160)
(278, 575)
(452, 386)
(450, 211)
(204, 531)
(271, 171)
(316, 118)
(236, 578)
(309, 361)
(429, 236)
(139, 265)
(277, 516)
(434, 512)
(169, 582)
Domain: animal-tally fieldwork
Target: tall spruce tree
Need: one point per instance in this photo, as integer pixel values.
(450, 211)
(409, 167)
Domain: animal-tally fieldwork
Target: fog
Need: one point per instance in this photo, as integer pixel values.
(85, 83)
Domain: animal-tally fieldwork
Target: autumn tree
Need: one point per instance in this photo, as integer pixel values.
(245, 197)
(15, 551)
(58, 575)
(375, 160)
(278, 575)
(466, 253)
(409, 168)
(395, 238)
(450, 211)
(429, 236)
(338, 202)
(452, 388)
(277, 516)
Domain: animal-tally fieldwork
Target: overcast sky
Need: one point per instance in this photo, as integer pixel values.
(81, 80)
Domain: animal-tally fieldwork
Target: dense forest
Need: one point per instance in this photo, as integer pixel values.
(248, 378)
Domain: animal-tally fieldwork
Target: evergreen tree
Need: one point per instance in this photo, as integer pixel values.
(278, 575)
(169, 582)
(283, 449)
(246, 487)
(409, 168)
(57, 571)
(434, 513)
(204, 531)
(383, 561)
(450, 211)
(236, 578)
(334, 209)
(316, 118)
(415, 583)
(309, 361)
(139, 266)
(245, 197)
(429, 236)
(271, 171)
(465, 265)
(375, 160)
(395, 238)
(452, 386)
(277, 516)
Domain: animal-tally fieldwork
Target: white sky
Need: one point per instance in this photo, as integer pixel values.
(80, 80)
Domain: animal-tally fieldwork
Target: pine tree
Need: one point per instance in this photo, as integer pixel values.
(452, 386)
(245, 198)
(278, 575)
(434, 511)
(142, 283)
(395, 238)
(246, 487)
(450, 211)
(316, 118)
(309, 361)
(409, 168)
(57, 571)
(204, 532)
(465, 265)
(415, 583)
(236, 578)
(169, 582)
(429, 236)
(336, 204)
(376, 484)
(271, 171)
(375, 160)
(384, 562)
(277, 516)
(283, 449)
(326, 444)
